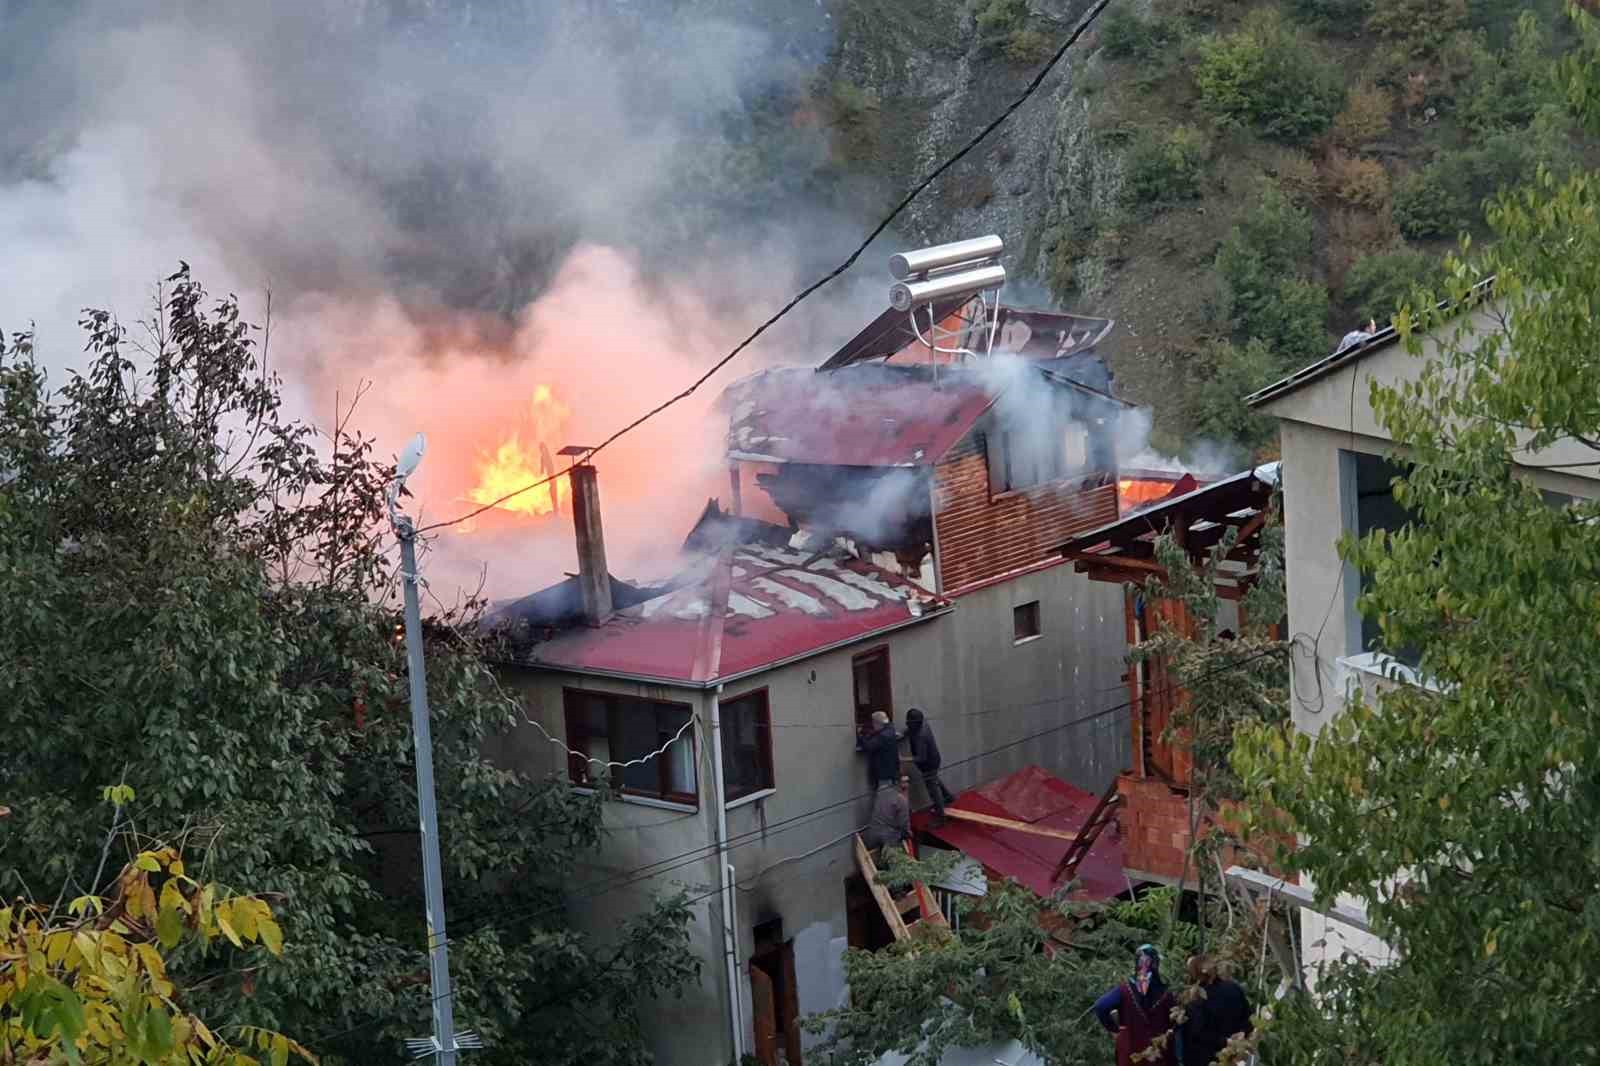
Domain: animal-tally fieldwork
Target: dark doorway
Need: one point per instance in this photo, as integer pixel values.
(866, 925)
(774, 996)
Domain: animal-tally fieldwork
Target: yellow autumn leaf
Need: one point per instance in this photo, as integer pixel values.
(88, 947)
(271, 936)
(227, 927)
(56, 945)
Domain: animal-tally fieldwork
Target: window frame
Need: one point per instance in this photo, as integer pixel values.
(764, 754)
(578, 737)
(874, 652)
(1037, 618)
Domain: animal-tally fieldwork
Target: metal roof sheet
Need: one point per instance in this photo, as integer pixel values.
(1033, 795)
(865, 416)
(739, 610)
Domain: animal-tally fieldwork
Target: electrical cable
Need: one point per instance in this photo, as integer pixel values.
(877, 231)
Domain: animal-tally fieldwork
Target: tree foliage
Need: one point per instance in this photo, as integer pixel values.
(195, 587)
(1270, 77)
(1460, 813)
(89, 984)
(1260, 264)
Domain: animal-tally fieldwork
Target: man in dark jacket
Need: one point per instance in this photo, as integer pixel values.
(1222, 1013)
(925, 753)
(882, 747)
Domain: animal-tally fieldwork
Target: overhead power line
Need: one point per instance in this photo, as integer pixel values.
(916, 190)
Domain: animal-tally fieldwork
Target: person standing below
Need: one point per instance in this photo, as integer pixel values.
(1139, 1010)
(891, 817)
(882, 746)
(925, 753)
(1222, 1013)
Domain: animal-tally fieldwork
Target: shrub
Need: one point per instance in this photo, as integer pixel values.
(1365, 117)
(1362, 182)
(1297, 175)
(1505, 89)
(1259, 264)
(1125, 35)
(1163, 168)
(997, 18)
(1227, 374)
(1378, 284)
(1335, 16)
(1421, 27)
(1271, 78)
(1447, 195)
(1029, 47)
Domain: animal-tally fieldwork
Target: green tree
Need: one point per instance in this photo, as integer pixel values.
(1461, 814)
(1165, 166)
(88, 983)
(1260, 263)
(1378, 284)
(1226, 374)
(195, 587)
(995, 981)
(1270, 77)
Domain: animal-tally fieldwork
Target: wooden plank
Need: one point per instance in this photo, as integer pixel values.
(930, 907)
(1007, 823)
(886, 904)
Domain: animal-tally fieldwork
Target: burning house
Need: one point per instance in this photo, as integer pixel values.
(891, 539)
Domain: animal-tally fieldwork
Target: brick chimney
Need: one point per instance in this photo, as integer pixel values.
(594, 579)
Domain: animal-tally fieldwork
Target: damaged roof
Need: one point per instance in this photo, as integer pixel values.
(1039, 798)
(739, 610)
(1209, 511)
(869, 416)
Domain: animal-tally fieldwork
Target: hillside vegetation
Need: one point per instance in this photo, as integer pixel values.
(1238, 184)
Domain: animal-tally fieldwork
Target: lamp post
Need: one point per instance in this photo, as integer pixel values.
(444, 1043)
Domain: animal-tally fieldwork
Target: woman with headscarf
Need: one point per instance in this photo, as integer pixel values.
(1139, 1011)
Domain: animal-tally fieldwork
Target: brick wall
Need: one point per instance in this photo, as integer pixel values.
(981, 538)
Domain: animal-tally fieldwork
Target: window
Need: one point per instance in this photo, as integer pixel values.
(619, 729)
(1025, 621)
(746, 745)
(872, 685)
(1375, 508)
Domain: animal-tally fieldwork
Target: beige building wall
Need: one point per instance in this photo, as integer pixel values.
(1325, 424)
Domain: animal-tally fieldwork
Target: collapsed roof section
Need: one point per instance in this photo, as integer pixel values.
(740, 609)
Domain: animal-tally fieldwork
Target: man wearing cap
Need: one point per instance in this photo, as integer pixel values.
(891, 818)
(1139, 1011)
(882, 747)
(925, 753)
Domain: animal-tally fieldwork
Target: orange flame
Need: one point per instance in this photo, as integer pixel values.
(515, 465)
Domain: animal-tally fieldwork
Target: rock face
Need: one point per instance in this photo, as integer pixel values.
(936, 77)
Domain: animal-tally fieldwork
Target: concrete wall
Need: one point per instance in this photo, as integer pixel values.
(1324, 422)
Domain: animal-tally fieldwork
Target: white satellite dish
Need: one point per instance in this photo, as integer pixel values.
(411, 458)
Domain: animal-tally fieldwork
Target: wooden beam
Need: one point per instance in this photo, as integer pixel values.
(1264, 884)
(886, 904)
(1116, 562)
(1007, 823)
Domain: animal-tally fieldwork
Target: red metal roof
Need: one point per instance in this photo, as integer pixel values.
(856, 416)
(741, 609)
(1036, 796)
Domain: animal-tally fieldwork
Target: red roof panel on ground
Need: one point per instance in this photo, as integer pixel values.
(1035, 796)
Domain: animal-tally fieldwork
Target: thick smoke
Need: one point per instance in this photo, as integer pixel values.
(455, 200)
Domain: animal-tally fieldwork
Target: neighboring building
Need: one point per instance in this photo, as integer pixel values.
(1336, 471)
(893, 541)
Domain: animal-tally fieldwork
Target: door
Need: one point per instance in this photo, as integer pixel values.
(766, 1016)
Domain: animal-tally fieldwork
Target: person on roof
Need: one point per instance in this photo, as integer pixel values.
(925, 753)
(1358, 336)
(1222, 1013)
(891, 817)
(882, 747)
(1139, 1011)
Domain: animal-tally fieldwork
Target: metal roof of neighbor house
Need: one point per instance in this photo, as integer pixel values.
(1355, 353)
(866, 416)
(1045, 334)
(1033, 795)
(739, 610)
(1233, 500)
